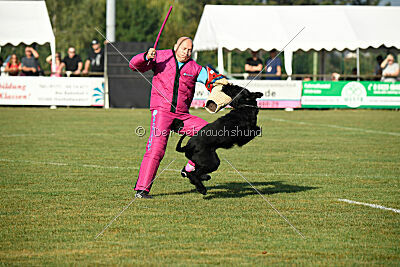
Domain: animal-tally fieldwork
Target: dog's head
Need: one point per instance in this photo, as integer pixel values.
(241, 97)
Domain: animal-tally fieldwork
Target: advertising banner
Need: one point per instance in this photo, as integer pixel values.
(350, 95)
(277, 94)
(48, 91)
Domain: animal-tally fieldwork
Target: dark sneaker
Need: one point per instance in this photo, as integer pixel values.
(142, 194)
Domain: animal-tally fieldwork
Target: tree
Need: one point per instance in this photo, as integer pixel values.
(137, 20)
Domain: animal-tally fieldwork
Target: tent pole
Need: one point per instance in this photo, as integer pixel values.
(229, 62)
(358, 64)
(315, 65)
(110, 20)
(53, 55)
(288, 63)
(322, 64)
(342, 62)
(220, 60)
(106, 96)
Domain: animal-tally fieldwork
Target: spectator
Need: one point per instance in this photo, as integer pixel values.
(72, 63)
(29, 63)
(13, 67)
(378, 69)
(273, 66)
(253, 66)
(335, 77)
(95, 60)
(390, 69)
(55, 71)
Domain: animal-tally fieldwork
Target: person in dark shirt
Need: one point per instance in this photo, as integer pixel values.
(72, 63)
(29, 63)
(95, 60)
(273, 66)
(253, 65)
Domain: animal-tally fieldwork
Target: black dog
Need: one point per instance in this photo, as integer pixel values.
(238, 127)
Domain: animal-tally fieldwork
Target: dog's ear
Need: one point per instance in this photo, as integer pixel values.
(232, 90)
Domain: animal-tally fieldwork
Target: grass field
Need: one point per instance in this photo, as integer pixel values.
(66, 173)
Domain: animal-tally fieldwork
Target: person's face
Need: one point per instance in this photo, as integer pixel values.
(58, 56)
(71, 52)
(272, 54)
(14, 58)
(95, 46)
(28, 52)
(390, 60)
(184, 50)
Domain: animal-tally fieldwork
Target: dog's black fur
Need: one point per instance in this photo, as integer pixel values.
(238, 127)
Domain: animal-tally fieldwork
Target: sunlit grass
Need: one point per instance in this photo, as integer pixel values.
(66, 173)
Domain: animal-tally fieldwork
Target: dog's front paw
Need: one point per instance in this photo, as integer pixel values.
(197, 183)
(177, 125)
(201, 189)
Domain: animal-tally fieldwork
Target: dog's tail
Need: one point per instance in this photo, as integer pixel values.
(179, 147)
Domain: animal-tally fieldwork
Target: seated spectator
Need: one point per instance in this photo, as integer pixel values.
(335, 77)
(378, 69)
(95, 60)
(55, 71)
(273, 66)
(13, 67)
(390, 69)
(253, 66)
(29, 63)
(72, 63)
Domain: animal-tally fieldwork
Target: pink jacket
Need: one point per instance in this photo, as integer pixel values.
(173, 88)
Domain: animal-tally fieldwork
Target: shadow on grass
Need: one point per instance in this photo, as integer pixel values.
(242, 189)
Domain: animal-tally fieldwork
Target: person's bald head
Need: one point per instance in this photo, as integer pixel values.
(390, 59)
(183, 49)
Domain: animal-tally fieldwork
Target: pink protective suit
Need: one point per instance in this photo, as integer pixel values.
(171, 95)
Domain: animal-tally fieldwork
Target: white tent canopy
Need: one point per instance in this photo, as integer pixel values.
(25, 22)
(269, 27)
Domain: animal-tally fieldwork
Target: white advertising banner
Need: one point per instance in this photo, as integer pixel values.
(276, 94)
(48, 91)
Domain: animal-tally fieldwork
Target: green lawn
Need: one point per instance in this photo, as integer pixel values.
(66, 173)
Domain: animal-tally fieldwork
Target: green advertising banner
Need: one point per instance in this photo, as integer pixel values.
(350, 95)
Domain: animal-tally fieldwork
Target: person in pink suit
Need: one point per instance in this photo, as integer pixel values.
(173, 86)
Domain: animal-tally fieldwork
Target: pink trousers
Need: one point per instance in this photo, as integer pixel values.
(160, 126)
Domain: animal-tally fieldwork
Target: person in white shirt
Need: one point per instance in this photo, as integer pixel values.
(390, 70)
